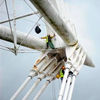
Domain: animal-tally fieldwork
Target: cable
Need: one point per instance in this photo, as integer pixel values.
(19, 51)
(29, 5)
(10, 24)
(27, 52)
(38, 16)
(6, 48)
(14, 27)
(29, 32)
(23, 16)
(8, 16)
(1, 3)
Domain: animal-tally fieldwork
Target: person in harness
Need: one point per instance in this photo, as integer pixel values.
(49, 41)
(61, 73)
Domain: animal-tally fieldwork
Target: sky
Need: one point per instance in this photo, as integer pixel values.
(14, 69)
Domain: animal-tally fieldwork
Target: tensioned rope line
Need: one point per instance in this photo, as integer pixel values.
(19, 17)
(9, 22)
(6, 48)
(29, 32)
(2, 47)
(8, 16)
(38, 16)
(14, 27)
(29, 5)
(20, 50)
(1, 3)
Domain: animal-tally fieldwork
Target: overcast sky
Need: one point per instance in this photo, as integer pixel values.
(85, 14)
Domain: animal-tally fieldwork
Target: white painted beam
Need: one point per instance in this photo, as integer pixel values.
(28, 41)
(61, 92)
(71, 88)
(50, 14)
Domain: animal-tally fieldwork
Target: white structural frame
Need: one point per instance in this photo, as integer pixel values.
(49, 67)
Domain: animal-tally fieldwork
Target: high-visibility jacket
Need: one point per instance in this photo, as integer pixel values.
(48, 38)
(61, 73)
(48, 41)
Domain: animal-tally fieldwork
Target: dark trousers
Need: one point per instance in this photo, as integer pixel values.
(61, 79)
(50, 44)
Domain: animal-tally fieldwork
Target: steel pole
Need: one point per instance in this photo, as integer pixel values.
(49, 65)
(51, 15)
(48, 81)
(30, 40)
(67, 88)
(63, 85)
(71, 88)
(42, 90)
(31, 89)
(22, 86)
(16, 18)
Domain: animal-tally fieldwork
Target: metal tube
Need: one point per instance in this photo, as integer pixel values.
(16, 18)
(42, 64)
(22, 86)
(38, 81)
(55, 68)
(30, 41)
(48, 81)
(76, 55)
(71, 88)
(51, 15)
(63, 85)
(14, 28)
(42, 90)
(49, 63)
(81, 63)
(67, 88)
(31, 89)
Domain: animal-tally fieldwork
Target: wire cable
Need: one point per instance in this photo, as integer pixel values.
(29, 5)
(29, 32)
(8, 16)
(39, 16)
(6, 48)
(9, 21)
(14, 27)
(2, 3)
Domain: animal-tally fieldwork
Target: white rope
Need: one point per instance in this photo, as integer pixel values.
(6, 48)
(29, 32)
(10, 24)
(39, 16)
(8, 16)
(14, 27)
(1, 3)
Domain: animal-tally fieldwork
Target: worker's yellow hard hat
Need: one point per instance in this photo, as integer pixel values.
(58, 76)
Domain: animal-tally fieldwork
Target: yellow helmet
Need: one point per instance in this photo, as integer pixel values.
(58, 76)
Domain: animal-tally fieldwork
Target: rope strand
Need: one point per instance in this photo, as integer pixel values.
(29, 32)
